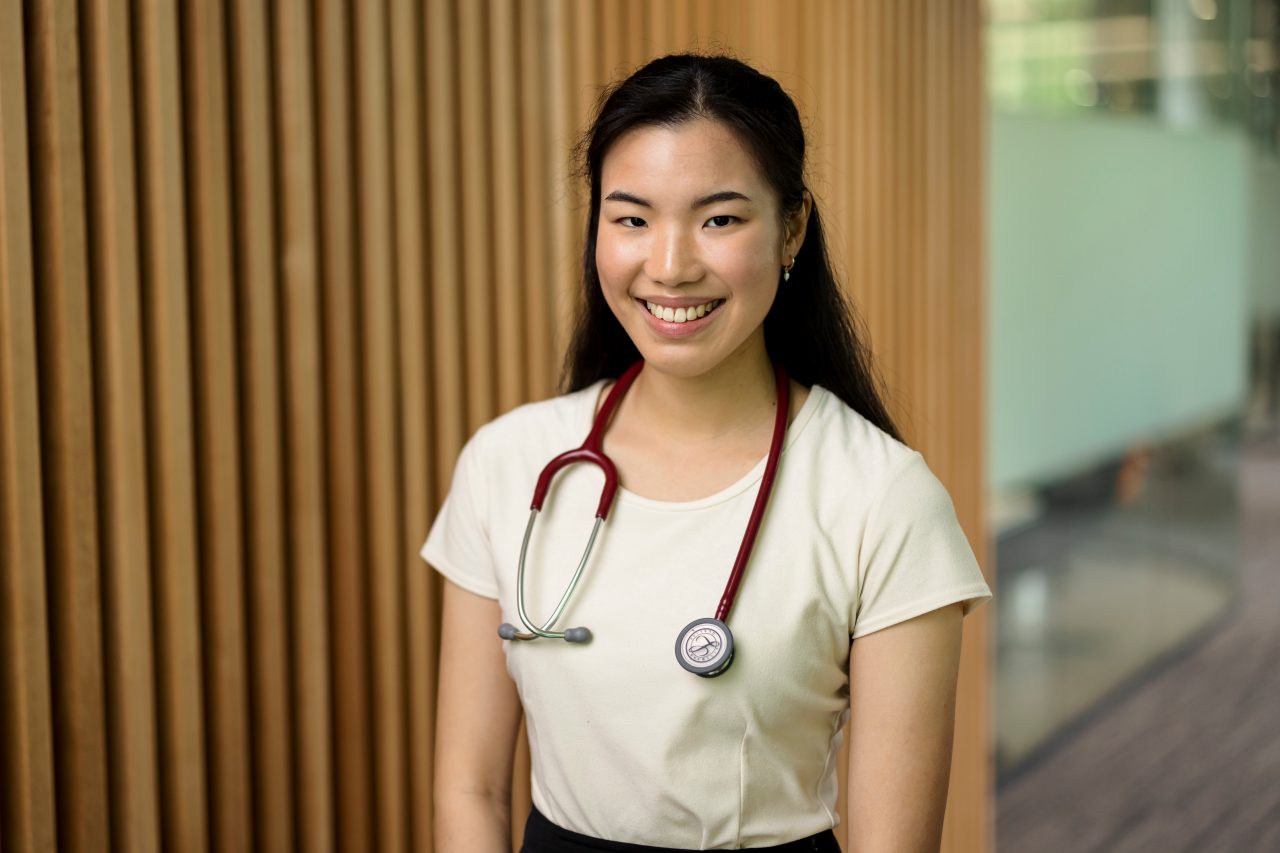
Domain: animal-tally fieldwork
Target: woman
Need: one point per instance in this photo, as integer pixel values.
(706, 271)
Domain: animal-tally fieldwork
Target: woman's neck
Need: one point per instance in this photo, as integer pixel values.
(734, 398)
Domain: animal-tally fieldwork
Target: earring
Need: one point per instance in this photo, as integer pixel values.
(786, 271)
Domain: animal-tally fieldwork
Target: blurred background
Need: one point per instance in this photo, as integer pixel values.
(1133, 462)
(265, 267)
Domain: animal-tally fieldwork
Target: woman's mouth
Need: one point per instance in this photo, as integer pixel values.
(682, 315)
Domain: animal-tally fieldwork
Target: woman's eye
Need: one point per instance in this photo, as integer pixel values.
(722, 221)
(631, 222)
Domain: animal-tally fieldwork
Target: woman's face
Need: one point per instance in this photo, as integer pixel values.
(689, 246)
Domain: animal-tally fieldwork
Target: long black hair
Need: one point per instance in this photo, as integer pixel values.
(811, 328)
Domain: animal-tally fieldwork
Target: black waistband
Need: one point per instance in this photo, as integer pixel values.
(543, 836)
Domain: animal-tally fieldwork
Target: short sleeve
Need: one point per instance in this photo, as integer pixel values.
(458, 545)
(914, 557)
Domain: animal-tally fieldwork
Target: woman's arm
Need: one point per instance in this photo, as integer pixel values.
(477, 720)
(902, 718)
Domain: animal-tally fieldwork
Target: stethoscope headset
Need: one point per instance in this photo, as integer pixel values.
(705, 646)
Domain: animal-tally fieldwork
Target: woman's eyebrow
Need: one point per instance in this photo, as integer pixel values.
(619, 195)
(722, 195)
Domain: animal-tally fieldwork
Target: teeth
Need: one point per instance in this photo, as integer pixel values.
(682, 315)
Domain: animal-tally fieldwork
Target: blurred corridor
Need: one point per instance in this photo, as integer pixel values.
(1186, 757)
(1134, 435)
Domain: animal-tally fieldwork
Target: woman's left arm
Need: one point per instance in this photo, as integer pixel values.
(902, 719)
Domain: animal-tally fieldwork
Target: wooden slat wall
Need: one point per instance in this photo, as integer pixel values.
(118, 362)
(27, 731)
(261, 426)
(263, 268)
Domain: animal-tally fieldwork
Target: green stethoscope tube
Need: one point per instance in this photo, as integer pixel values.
(573, 635)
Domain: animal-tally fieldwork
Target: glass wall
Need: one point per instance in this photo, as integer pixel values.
(1134, 315)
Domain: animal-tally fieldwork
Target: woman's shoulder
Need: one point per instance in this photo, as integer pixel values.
(844, 432)
(541, 424)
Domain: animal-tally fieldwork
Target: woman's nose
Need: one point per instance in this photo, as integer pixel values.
(673, 258)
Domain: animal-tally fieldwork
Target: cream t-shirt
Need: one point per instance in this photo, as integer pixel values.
(628, 746)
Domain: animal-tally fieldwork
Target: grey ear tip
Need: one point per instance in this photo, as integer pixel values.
(507, 631)
(578, 635)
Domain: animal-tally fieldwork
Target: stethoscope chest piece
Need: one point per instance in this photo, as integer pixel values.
(705, 647)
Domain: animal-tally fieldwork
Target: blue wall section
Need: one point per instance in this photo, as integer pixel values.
(1119, 287)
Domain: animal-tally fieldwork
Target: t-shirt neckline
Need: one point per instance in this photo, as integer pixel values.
(817, 396)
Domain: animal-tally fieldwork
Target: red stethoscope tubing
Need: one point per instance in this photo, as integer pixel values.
(762, 496)
(592, 452)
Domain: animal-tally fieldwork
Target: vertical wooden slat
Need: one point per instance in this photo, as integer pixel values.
(382, 505)
(706, 28)
(415, 430)
(26, 732)
(840, 122)
(446, 284)
(917, 340)
(932, 40)
(852, 110)
(170, 426)
(262, 424)
(218, 416)
(613, 37)
(971, 818)
(788, 28)
(296, 173)
(897, 346)
(536, 196)
(344, 457)
(868, 287)
(639, 36)
(564, 194)
(68, 460)
(892, 349)
(118, 334)
(681, 31)
(508, 284)
(476, 213)
(584, 71)
(660, 27)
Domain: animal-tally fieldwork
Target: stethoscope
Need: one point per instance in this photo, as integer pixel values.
(705, 646)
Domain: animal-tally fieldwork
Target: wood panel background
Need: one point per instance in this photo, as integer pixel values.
(264, 268)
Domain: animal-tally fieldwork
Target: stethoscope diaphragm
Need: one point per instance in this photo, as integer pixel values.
(705, 647)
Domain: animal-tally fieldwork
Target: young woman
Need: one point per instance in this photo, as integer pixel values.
(716, 363)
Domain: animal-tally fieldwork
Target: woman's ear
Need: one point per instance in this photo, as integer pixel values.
(796, 225)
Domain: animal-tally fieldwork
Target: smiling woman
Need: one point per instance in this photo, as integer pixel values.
(679, 229)
(716, 373)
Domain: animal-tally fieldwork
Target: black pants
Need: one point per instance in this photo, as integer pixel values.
(543, 836)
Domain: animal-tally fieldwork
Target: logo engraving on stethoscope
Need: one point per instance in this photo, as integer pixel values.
(703, 645)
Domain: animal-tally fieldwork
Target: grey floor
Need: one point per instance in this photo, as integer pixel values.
(1183, 755)
(1097, 587)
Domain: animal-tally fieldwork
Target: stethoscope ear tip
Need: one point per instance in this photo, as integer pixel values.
(507, 631)
(577, 635)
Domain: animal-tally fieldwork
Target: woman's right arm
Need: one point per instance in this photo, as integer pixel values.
(477, 721)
